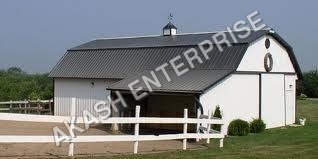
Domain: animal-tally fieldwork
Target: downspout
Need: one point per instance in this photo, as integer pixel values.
(260, 96)
(53, 103)
(198, 104)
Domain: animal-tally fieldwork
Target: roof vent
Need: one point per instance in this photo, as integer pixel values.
(272, 31)
(169, 29)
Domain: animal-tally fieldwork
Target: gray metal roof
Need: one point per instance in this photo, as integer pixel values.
(165, 41)
(123, 58)
(193, 81)
(118, 63)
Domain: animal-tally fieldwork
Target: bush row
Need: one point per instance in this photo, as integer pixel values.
(240, 127)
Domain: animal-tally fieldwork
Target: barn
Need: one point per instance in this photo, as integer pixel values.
(253, 78)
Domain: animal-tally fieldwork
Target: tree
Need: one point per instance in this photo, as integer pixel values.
(217, 114)
(309, 84)
(14, 70)
(18, 85)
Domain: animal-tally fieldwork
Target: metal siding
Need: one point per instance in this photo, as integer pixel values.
(82, 90)
(237, 96)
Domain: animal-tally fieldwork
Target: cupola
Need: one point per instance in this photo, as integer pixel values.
(169, 29)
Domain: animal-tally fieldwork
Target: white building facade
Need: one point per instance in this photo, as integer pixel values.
(252, 92)
(254, 78)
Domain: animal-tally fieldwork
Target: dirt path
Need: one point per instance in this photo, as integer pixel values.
(40, 150)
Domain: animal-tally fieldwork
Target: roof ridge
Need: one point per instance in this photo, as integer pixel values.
(191, 33)
(194, 69)
(126, 37)
(145, 47)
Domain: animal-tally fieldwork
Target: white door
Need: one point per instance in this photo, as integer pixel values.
(273, 100)
(290, 94)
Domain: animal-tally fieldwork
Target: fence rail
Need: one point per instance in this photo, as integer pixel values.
(112, 120)
(26, 101)
(99, 138)
(27, 106)
(120, 120)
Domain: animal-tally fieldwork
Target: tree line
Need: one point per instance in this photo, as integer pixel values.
(308, 86)
(15, 84)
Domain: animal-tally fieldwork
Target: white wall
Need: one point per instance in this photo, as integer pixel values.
(253, 59)
(237, 96)
(278, 104)
(278, 99)
(86, 94)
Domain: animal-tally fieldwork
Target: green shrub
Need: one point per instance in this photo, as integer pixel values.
(217, 114)
(238, 127)
(257, 126)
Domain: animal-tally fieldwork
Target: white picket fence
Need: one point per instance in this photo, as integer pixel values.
(119, 120)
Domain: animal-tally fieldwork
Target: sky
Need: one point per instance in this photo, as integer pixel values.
(35, 34)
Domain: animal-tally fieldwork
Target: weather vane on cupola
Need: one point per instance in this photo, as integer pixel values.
(169, 29)
(170, 17)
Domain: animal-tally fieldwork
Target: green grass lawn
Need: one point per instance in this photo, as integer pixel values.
(280, 143)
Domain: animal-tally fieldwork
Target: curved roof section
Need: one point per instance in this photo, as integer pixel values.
(117, 58)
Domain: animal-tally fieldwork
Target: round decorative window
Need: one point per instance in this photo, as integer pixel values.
(268, 62)
(267, 43)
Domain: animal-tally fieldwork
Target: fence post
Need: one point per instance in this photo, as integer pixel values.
(72, 113)
(221, 140)
(29, 106)
(137, 114)
(208, 127)
(50, 107)
(198, 124)
(11, 107)
(39, 105)
(185, 128)
(25, 106)
(20, 108)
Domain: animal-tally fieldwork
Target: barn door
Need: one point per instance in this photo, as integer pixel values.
(273, 99)
(290, 93)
